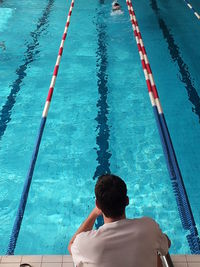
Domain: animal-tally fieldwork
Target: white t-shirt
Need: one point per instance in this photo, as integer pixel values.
(124, 243)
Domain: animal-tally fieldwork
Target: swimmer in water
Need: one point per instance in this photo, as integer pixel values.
(3, 46)
(116, 6)
(116, 9)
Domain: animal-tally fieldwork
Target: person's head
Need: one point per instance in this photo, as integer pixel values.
(111, 195)
(115, 6)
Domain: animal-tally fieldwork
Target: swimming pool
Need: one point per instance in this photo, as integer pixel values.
(100, 118)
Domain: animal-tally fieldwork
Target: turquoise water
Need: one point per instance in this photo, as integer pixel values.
(100, 117)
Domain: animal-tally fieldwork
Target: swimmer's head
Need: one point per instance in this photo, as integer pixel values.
(115, 6)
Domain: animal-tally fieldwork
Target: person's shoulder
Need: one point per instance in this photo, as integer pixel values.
(84, 238)
(147, 219)
(86, 235)
(143, 221)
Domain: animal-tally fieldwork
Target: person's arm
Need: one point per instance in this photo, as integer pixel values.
(87, 225)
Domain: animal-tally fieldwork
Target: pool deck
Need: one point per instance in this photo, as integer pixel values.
(66, 261)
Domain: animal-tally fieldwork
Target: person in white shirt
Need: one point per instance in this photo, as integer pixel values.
(120, 242)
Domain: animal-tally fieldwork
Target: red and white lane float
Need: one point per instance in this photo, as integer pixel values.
(153, 94)
(56, 68)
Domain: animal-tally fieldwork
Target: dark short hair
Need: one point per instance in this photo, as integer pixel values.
(111, 195)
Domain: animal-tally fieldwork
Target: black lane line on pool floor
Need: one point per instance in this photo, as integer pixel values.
(29, 56)
(102, 139)
(176, 57)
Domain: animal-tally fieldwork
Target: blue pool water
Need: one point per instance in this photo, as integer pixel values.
(100, 119)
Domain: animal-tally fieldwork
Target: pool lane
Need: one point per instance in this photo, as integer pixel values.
(29, 56)
(178, 82)
(183, 204)
(62, 187)
(182, 107)
(7, 199)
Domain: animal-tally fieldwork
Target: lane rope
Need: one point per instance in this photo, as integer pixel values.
(183, 204)
(192, 9)
(24, 196)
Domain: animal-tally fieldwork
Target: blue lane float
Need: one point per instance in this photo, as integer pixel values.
(24, 196)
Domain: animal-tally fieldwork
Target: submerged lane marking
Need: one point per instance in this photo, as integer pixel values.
(29, 56)
(176, 57)
(102, 139)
